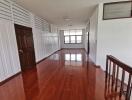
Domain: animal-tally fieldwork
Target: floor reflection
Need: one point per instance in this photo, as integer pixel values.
(66, 75)
(73, 60)
(30, 84)
(13, 90)
(54, 57)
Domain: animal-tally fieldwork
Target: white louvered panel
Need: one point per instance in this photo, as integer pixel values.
(21, 15)
(41, 24)
(5, 10)
(46, 26)
(38, 23)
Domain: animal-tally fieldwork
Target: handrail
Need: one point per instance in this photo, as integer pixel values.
(120, 63)
(113, 66)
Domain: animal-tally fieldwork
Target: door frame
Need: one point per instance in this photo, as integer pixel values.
(88, 44)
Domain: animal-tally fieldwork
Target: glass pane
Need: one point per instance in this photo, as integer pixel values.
(117, 10)
(79, 39)
(79, 57)
(67, 40)
(78, 32)
(67, 57)
(73, 39)
(66, 32)
(73, 57)
(72, 32)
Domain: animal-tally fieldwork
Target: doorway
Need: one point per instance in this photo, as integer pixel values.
(25, 45)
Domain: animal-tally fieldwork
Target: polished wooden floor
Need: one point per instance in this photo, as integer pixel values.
(66, 75)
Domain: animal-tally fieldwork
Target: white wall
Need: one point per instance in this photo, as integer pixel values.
(9, 59)
(54, 28)
(45, 42)
(63, 45)
(93, 35)
(114, 38)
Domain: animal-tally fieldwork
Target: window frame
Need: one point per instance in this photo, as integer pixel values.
(118, 2)
(75, 38)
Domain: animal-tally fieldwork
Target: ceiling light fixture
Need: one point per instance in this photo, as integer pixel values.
(70, 25)
(66, 18)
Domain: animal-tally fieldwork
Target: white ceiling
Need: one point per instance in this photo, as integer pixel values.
(56, 10)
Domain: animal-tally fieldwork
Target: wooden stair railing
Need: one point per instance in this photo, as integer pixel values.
(115, 82)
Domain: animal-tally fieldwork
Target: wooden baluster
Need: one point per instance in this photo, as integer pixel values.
(130, 88)
(117, 75)
(113, 75)
(113, 82)
(106, 74)
(122, 83)
(109, 74)
(128, 92)
(106, 77)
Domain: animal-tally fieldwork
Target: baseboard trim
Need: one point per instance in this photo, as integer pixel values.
(8, 79)
(47, 57)
(73, 48)
(98, 66)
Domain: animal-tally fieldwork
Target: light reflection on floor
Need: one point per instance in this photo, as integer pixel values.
(54, 57)
(74, 60)
(72, 77)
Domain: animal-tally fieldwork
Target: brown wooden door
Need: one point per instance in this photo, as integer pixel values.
(25, 44)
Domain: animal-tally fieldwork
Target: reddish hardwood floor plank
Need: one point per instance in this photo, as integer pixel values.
(66, 75)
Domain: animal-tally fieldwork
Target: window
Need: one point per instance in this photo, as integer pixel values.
(115, 10)
(66, 33)
(79, 39)
(73, 39)
(67, 39)
(73, 36)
